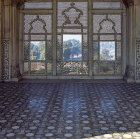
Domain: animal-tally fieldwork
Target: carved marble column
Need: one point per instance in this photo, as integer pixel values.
(137, 38)
(10, 47)
(130, 68)
(15, 72)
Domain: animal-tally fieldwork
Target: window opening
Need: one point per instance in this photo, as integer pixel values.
(72, 47)
(107, 50)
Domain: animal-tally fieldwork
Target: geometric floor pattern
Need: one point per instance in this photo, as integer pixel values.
(75, 110)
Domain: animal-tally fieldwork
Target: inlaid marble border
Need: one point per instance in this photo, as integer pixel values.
(5, 59)
(138, 59)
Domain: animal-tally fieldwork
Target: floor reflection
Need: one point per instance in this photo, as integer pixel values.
(69, 109)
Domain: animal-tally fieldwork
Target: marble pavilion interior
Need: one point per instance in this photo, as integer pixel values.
(69, 69)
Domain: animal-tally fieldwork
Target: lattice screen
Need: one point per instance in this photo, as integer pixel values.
(106, 5)
(38, 44)
(38, 5)
(72, 22)
(107, 47)
(72, 48)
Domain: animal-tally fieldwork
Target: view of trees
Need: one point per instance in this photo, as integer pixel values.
(107, 50)
(72, 50)
(37, 50)
(107, 53)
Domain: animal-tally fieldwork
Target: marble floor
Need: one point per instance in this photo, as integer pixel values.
(69, 109)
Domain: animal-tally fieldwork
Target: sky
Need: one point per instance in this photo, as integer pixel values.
(72, 36)
(36, 42)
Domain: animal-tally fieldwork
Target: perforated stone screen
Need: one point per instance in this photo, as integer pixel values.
(38, 5)
(107, 48)
(106, 5)
(37, 44)
(72, 48)
(85, 41)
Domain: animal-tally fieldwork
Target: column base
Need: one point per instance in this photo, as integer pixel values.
(16, 79)
(130, 74)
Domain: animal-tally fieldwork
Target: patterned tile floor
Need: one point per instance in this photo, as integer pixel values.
(75, 110)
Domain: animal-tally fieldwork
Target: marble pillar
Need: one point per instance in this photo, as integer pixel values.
(10, 40)
(130, 60)
(15, 71)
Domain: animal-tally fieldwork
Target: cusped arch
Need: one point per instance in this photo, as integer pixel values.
(36, 20)
(106, 23)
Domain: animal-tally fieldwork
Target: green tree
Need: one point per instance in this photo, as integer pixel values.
(67, 53)
(105, 55)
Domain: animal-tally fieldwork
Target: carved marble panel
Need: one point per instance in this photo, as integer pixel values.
(138, 60)
(5, 59)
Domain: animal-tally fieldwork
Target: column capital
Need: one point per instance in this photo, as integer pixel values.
(7, 2)
(137, 2)
(128, 3)
(17, 3)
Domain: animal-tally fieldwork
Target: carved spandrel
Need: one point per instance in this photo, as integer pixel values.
(72, 15)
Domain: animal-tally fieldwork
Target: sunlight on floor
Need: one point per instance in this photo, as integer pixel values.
(128, 135)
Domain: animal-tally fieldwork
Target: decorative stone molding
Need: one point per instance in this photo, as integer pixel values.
(138, 60)
(72, 16)
(5, 59)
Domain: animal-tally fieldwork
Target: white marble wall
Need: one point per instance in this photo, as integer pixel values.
(137, 38)
(0, 35)
(5, 41)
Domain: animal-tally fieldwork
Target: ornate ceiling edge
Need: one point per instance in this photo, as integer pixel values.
(20, 2)
(17, 2)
